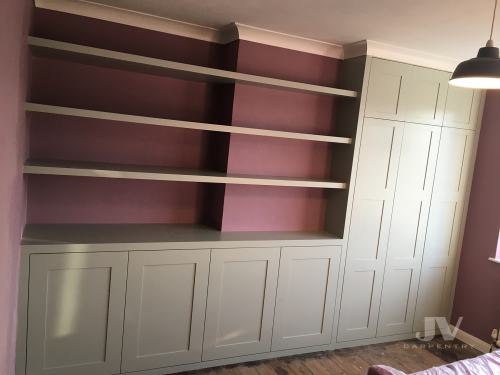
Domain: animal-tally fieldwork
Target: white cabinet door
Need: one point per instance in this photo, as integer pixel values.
(164, 318)
(240, 303)
(384, 89)
(408, 227)
(462, 108)
(453, 172)
(369, 230)
(75, 314)
(305, 302)
(423, 95)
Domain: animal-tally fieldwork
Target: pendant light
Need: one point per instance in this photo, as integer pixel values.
(483, 71)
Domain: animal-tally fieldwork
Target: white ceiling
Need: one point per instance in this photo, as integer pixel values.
(452, 28)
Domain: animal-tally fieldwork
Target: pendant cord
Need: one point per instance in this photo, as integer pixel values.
(493, 20)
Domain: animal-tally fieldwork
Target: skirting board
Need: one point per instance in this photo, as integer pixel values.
(473, 341)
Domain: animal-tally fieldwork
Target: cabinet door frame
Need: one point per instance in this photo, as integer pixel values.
(288, 255)
(475, 110)
(40, 265)
(220, 257)
(131, 361)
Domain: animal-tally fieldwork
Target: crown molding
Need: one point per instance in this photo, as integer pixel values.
(224, 35)
(277, 39)
(131, 18)
(401, 54)
(241, 31)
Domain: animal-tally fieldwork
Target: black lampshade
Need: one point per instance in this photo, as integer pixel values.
(481, 72)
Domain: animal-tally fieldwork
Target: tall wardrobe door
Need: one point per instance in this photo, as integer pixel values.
(240, 303)
(369, 230)
(408, 224)
(384, 87)
(75, 314)
(451, 183)
(165, 314)
(423, 95)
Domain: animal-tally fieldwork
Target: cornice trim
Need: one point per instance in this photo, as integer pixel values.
(241, 31)
(283, 40)
(401, 54)
(131, 18)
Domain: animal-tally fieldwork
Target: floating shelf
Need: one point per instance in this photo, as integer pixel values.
(153, 236)
(65, 168)
(57, 110)
(84, 54)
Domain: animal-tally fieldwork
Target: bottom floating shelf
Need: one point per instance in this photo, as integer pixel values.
(81, 237)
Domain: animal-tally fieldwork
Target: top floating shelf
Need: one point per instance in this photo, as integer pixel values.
(53, 48)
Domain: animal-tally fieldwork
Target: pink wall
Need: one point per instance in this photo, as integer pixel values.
(477, 296)
(250, 208)
(14, 20)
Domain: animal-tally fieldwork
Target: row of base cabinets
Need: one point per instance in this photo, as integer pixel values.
(116, 312)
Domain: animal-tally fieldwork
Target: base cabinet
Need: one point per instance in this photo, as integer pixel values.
(165, 313)
(240, 303)
(305, 301)
(75, 313)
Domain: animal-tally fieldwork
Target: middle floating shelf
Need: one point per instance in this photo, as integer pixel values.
(109, 116)
(102, 170)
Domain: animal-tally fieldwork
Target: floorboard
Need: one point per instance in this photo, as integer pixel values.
(408, 356)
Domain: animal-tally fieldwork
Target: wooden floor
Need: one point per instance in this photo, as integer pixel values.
(408, 356)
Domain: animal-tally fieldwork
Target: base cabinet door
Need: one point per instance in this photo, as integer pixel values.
(369, 229)
(75, 313)
(417, 164)
(305, 301)
(453, 172)
(240, 303)
(164, 317)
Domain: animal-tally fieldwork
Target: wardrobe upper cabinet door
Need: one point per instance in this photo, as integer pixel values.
(75, 314)
(305, 303)
(166, 297)
(462, 108)
(384, 86)
(423, 95)
(240, 303)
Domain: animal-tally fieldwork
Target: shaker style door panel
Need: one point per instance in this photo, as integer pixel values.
(305, 301)
(384, 86)
(75, 314)
(453, 173)
(164, 318)
(369, 230)
(423, 95)
(408, 228)
(240, 303)
(462, 108)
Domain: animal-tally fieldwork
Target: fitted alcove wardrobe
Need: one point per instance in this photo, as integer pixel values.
(218, 280)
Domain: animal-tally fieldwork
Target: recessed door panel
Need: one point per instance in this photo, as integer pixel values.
(75, 315)
(240, 303)
(166, 297)
(307, 286)
(462, 107)
(384, 86)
